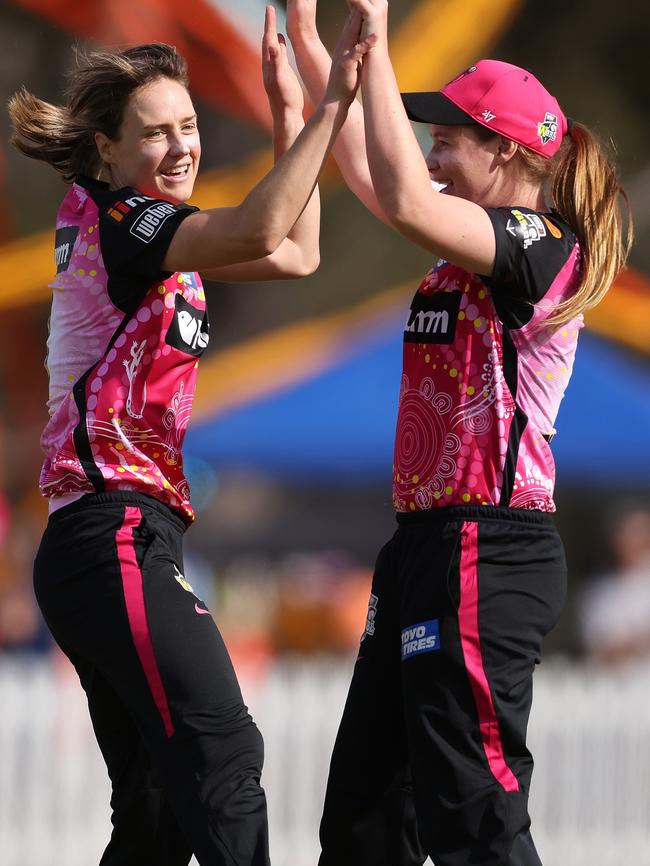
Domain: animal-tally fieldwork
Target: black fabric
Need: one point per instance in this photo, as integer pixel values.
(409, 775)
(135, 231)
(435, 107)
(531, 250)
(197, 788)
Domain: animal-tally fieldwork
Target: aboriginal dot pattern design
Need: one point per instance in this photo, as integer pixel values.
(459, 399)
(116, 385)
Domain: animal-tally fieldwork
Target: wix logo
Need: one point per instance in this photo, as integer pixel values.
(433, 318)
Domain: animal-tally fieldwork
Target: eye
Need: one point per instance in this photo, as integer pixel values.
(189, 127)
(155, 133)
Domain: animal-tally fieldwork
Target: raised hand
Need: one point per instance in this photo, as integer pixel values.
(375, 17)
(282, 86)
(345, 75)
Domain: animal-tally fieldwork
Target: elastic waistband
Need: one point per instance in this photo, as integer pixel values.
(447, 514)
(119, 497)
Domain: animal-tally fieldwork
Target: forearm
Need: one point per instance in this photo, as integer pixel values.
(272, 208)
(398, 169)
(349, 151)
(302, 245)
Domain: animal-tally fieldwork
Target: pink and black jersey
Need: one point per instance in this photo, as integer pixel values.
(124, 345)
(484, 374)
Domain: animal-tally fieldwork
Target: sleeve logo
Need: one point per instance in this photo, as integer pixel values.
(147, 225)
(527, 227)
(63, 246)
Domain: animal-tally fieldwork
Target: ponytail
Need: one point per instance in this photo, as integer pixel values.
(48, 132)
(586, 192)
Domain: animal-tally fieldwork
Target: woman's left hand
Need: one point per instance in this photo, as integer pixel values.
(282, 86)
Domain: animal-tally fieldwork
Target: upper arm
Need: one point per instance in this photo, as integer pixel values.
(532, 249)
(452, 228)
(211, 239)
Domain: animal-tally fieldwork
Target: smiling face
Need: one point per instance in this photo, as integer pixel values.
(469, 166)
(158, 149)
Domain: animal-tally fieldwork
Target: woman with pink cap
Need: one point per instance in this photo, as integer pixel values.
(527, 234)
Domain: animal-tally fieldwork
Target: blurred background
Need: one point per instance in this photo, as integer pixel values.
(289, 456)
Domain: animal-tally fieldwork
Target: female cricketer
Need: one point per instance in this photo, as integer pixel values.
(528, 233)
(129, 324)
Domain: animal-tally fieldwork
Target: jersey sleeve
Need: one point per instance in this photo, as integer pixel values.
(531, 249)
(136, 231)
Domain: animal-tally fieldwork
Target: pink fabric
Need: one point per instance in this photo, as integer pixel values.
(512, 102)
(136, 610)
(471, 644)
(139, 396)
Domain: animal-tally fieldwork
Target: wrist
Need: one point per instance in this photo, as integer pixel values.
(303, 36)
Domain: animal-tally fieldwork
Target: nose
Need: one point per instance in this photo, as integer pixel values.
(179, 146)
(432, 162)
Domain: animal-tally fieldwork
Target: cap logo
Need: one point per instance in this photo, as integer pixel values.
(547, 128)
(488, 116)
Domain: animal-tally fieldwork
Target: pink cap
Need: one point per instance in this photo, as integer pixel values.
(502, 97)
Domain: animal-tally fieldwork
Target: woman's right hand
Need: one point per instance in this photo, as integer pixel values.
(301, 20)
(347, 60)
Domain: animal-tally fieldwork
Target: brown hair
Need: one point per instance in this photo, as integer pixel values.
(584, 189)
(95, 99)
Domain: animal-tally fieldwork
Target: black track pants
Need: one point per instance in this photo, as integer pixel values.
(182, 752)
(431, 755)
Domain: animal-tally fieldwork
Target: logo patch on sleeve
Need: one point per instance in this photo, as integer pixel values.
(147, 225)
(423, 637)
(527, 228)
(63, 245)
(433, 318)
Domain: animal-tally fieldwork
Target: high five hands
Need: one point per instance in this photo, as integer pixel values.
(282, 86)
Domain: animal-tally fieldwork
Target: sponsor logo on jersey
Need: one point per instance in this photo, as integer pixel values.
(547, 128)
(369, 630)
(527, 227)
(423, 637)
(433, 318)
(189, 330)
(63, 245)
(147, 224)
(181, 579)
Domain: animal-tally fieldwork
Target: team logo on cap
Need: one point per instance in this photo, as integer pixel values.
(488, 116)
(547, 128)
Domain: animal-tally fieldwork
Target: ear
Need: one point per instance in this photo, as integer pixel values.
(104, 147)
(506, 149)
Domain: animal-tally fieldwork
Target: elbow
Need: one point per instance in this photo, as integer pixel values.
(303, 267)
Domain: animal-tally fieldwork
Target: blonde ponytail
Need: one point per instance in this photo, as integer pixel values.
(586, 192)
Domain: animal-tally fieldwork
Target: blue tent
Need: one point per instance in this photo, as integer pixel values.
(340, 423)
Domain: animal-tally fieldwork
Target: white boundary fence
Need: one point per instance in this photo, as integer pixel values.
(590, 734)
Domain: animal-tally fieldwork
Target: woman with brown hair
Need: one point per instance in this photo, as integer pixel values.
(527, 234)
(128, 326)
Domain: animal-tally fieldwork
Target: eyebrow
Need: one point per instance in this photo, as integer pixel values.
(150, 126)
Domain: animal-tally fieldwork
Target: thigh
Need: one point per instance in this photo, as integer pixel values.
(369, 817)
(485, 599)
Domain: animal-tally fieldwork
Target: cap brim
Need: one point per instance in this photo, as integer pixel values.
(434, 108)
